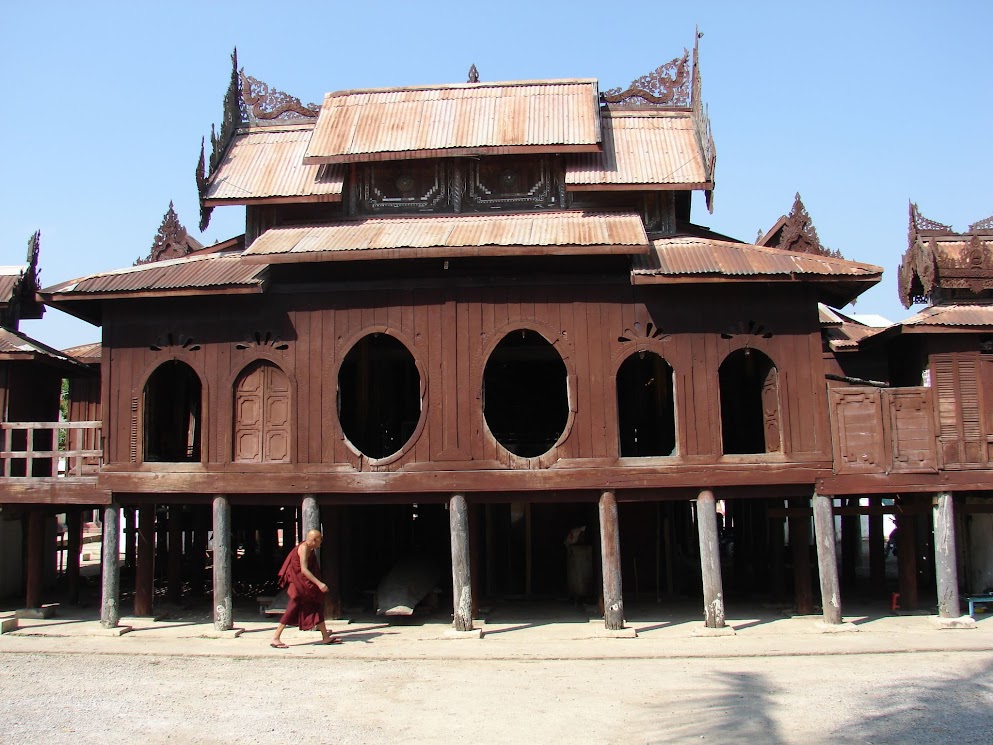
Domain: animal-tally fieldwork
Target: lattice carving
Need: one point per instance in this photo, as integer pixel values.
(800, 235)
(473, 74)
(172, 241)
(171, 342)
(668, 85)
(262, 341)
(638, 333)
(403, 187)
(510, 183)
(986, 224)
(263, 103)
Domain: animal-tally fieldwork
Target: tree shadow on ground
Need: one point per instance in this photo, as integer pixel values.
(944, 710)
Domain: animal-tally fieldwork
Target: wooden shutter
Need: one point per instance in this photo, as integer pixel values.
(857, 430)
(262, 415)
(910, 430)
(962, 442)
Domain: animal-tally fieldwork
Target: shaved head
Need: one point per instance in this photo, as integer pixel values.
(314, 536)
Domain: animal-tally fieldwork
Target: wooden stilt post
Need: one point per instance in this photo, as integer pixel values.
(877, 549)
(803, 591)
(458, 519)
(223, 613)
(610, 557)
(74, 536)
(175, 567)
(906, 549)
(130, 537)
(201, 526)
(851, 543)
(945, 557)
(710, 559)
(331, 560)
(310, 515)
(144, 572)
(35, 568)
(827, 558)
(110, 575)
(777, 537)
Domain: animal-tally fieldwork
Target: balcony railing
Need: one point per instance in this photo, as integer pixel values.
(51, 449)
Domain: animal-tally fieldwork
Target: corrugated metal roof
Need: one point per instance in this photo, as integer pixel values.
(7, 283)
(461, 234)
(692, 255)
(952, 315)
(87, 353)
(535, 116)
(650, 148)
(266, 163)
(14, 343)
(190, 272)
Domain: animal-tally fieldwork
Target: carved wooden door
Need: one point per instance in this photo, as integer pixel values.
(262, 415)
(770, 412)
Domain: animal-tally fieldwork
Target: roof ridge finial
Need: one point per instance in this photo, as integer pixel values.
(473, 74)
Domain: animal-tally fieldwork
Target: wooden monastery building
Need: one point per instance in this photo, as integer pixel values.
(477, 329)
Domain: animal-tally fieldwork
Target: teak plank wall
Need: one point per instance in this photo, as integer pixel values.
(450, 332)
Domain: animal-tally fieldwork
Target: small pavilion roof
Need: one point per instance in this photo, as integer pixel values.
(17, 346)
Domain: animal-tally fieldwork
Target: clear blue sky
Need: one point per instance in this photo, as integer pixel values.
(859, 106)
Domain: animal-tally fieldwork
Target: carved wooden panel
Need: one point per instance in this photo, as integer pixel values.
(857, 430)
(262, 415)
(403, 187)
(910, 430)
(961, 440)
(770, 412)
(502, 182)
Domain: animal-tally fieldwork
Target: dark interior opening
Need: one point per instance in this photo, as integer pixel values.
(645, 411)
(173, 396)
(749, 403)
(379, 395)
(525, 394)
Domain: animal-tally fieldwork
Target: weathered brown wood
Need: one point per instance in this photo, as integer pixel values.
(74, 536)
(222, 557)
(175, 566)
(946, 558)
(906, 546)
(710, 560)
(458, 516)
(144, 571)
(110, 575)
(777, 552)
(803, 591)
(610, 557)
(331, 560)
(35, 558)
(827, 560)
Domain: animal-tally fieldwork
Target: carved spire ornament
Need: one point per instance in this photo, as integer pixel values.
(473, 74)
(800, 235)
(22, 302)
(171, 241)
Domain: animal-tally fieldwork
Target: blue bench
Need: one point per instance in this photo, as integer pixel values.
(975, 600)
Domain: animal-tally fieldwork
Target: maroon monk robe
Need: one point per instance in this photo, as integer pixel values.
(306, 606)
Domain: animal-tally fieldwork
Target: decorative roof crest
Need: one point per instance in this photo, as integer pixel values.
(171, 241)
(263, 103)
(473, 74)
(799, 234)
(668, 85)
(986, 224)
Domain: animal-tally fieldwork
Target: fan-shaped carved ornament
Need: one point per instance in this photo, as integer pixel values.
(649, 332)
(262, 340)
(171, 342)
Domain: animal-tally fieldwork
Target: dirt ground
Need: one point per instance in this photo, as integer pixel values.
(165, 698)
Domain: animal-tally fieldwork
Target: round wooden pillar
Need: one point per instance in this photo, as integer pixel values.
(710, 560)
(110, 575)
(223, 613)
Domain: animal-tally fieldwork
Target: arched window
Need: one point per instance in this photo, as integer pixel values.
(750, 403)
(262, 415)
(646, 414)
(379, 395)
(172, 405)
(525, 394)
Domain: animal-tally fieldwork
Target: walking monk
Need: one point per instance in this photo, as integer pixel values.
(299, 576)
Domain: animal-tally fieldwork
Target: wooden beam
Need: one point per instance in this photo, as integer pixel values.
(803, 591)
(458, 519)
(877, 550)
(223, 611)
(710, 560)
(907, 560)
(331, 560)
(144, 571)
(175, 556)
(110, 575)
(827, 560)
(74, 537)
(35, 558)
(610, 556)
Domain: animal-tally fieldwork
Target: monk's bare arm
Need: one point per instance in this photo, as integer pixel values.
(304, 552)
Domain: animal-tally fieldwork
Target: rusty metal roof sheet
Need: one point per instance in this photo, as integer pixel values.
(693, 255)
(195, 272)
(265, 164)
(14, 345)
(649, 149)
(952, 315)
(456, 235)
(8, 280)
(86, 353)
(474, 118)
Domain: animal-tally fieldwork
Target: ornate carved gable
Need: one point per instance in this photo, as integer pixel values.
(23, 301)
(171, 241)
(247, 101)
(940, 263)
(796, 232)
(668, 85)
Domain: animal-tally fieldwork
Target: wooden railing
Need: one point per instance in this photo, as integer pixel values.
(50, 449)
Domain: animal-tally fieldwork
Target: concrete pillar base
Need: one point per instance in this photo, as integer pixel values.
(708, 631)
(7, 625)
(115, 631)
(962, 622)
(223, 634)
(45, 611)
(471, 634)
(601, 632)
(835, 628)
